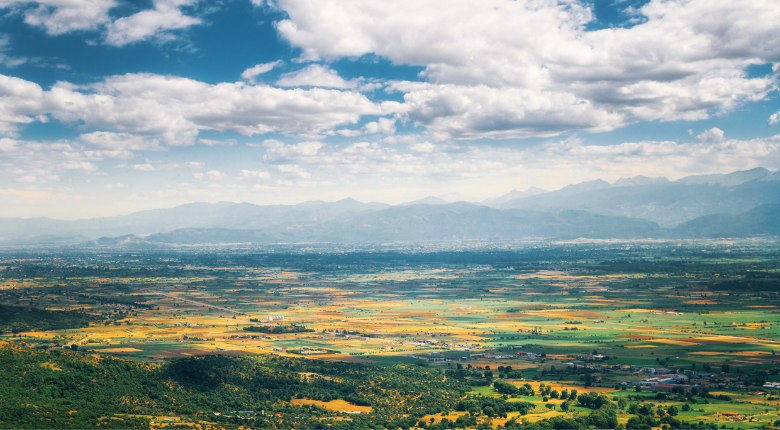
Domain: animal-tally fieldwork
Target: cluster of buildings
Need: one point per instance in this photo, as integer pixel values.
(186, 324)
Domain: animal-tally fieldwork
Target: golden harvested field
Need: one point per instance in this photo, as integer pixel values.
(334, 405)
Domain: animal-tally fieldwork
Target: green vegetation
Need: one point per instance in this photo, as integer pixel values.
(17, 319)
(71, 390)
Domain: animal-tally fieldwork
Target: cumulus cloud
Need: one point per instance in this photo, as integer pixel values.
(175, 109)
(251, 73)
(382, 125)
(316, 75)
(712, 135)
(119, 141)
(774, 118)
(277, 151)
(7, 145)
(63, 16)
(505, 68)
(153, 23)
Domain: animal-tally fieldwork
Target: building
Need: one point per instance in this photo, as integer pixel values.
(275, 317)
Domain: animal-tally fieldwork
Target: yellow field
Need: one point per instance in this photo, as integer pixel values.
(334, 405)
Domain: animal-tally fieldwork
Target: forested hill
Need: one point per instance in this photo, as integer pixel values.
(61, 389)
(17, 319)
(65, 389)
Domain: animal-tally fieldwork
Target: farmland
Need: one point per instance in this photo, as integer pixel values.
(592, 316)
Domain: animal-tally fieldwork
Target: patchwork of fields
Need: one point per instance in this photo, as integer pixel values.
(595, 316)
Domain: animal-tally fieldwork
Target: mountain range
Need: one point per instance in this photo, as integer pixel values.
(738, 204)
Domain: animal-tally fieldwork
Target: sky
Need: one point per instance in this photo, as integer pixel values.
(112, 106)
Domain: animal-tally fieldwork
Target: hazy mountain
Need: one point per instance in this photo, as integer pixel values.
(730, 179)
(430, 200)
(418, 223)
(512, 195)
(639, 180)
(193, 215)
(455, 197)
(666, 203)
(706, 205)
(762, 220)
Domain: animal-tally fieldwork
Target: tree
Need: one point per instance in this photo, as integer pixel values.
(573, 395)
(74, 347)
(686, 407)
(725, 368)
(565, 406)
(672, 411)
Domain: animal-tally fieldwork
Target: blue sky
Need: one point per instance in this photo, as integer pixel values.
(112, 106)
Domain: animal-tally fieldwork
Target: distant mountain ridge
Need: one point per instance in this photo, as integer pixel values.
(667, 203)
(419, 223)
(740, 204)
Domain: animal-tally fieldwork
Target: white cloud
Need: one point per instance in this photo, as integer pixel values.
(210, 175)
(348, 133)
(144, 167)
(506, 68)
(64, 16)
(8, 60)
(251, 73)
(212, 142)
(278, 151)
(79, 165)
(293, 170)
(382, 125)
(194, 165)
(712, 135)
(7, 145)
(255, 174)
(119, 141)
(774, 118)
(174, 109)
(422, 147)
(152, 23)
(316, 75)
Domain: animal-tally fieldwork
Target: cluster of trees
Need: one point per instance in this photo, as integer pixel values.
(17, 319)
(282, 328)
(603, 418)
(492, 406)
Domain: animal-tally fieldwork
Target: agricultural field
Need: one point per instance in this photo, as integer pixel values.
(682, 334)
